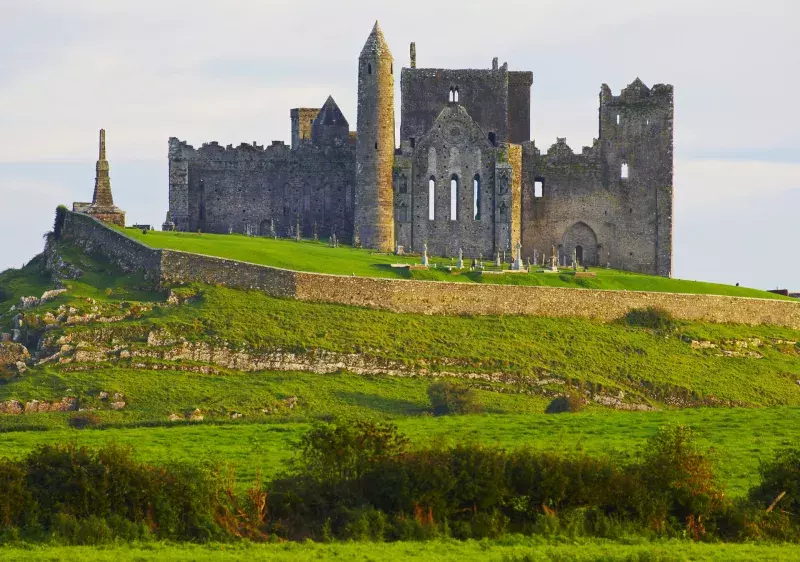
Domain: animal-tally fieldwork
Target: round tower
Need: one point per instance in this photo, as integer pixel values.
(374, 203)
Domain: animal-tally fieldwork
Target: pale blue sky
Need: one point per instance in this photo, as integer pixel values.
(230, 71)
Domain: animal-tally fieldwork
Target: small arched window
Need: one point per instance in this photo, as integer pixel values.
(454, 197)
(455, 95)
(623, 173)
(476, 197)
(492, 138)
(451, 95)
(431, 199)
(369, 68)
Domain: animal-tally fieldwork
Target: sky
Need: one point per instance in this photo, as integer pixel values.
(230, 71)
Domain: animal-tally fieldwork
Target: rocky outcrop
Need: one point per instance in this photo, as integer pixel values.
(67, 404)
(13, 356)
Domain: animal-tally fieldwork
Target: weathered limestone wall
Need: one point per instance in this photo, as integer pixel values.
(455, 147)
(95, 237)
(185, 267)
(223, 189)
(419, 297)
(586, 201)
(432, 297)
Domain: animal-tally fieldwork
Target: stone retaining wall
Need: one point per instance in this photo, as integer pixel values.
(94, 236)
(420, 297)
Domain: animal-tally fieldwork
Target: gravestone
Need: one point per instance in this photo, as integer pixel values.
(517, 265)
(425, 254)
(460, 264)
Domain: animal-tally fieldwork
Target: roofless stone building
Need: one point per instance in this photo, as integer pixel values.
(102, 206)
(466, 174)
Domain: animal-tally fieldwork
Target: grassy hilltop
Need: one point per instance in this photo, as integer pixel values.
(317, 257)
(169, 351)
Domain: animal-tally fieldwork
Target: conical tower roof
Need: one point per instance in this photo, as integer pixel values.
(330, 114)
(376, 44)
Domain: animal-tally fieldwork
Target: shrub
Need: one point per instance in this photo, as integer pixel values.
(677, 482)
(568, 403)
(651, 317)
(452, 398)
(781, 474)
(58, 223)
(347, 449)
(82, 420)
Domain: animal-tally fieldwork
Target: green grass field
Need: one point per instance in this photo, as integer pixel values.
(737, 438)
(344, 260)
(511, 549)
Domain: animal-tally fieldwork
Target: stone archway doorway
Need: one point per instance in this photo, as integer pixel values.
(581, 239)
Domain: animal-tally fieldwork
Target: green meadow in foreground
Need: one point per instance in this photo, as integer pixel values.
(509, 549)
(319, 258)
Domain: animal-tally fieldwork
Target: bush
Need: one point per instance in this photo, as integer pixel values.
(568, 403)
(678, 482)
(452, 398)
(58, 223)
(781, 474)
(651, 317)
(82, 420)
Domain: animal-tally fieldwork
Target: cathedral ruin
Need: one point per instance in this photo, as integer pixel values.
(466, 176)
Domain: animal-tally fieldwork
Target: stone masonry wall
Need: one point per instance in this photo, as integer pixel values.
(420, 297)
(95, 237)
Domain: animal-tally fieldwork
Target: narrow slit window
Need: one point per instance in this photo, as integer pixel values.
(369, 68)
(431, 199)
(617, 118)
(538, 188)
(476, 197)
(623, 173)
(454, 198)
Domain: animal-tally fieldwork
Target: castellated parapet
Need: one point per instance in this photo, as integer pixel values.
(467, 175)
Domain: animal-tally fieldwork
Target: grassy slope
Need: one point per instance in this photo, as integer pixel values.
(613, 355)
(507, 549)
(318, 257)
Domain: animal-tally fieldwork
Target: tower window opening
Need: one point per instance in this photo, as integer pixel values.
(492, 139)
(451, 95)
(369, 68)
(617, 118)
(538, 187)
(454, 198)
(376, 146)
(455, 95)
(623, 173)
(476, 197)
(431, 199)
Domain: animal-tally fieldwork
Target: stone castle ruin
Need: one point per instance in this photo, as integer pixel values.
(466, 176)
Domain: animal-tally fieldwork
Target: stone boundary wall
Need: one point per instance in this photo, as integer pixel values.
(419, 297)
(128, 254)
(177, 266)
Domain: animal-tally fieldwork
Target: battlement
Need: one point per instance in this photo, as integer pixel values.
(637, 93)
